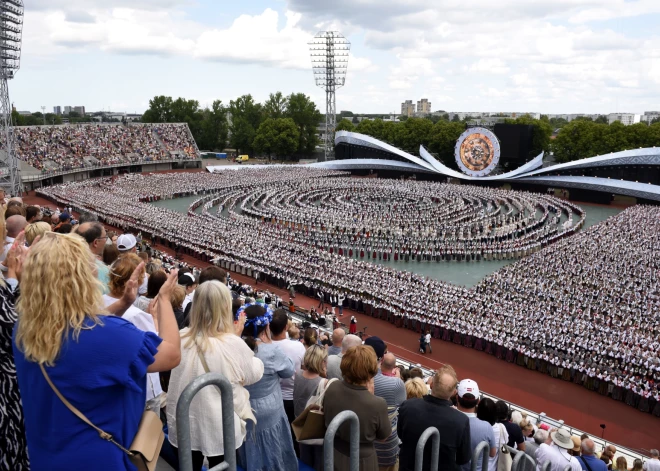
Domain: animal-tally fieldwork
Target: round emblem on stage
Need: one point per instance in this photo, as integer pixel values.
(477, 152)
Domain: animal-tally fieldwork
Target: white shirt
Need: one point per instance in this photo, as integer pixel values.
(230, 356)
(652, 465)
(558, 458)
(427, 338)
(296, 352)
(145, 322)
(188, 299)
(499, 440)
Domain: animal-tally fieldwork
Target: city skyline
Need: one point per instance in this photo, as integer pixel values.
(570, 56)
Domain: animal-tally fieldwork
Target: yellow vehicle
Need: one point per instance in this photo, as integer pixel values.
(242, 158)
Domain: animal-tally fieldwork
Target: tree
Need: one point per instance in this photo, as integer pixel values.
(245, 119)
(160, 110)
(279, 136)
(276, 105)
(355, 120)
(307, 117)
(214, 129)
(345, 125)
(540, 134)
(455, 119)
(442, 140)
(601, 119)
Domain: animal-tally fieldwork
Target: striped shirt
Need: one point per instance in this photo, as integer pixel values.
(393, 391)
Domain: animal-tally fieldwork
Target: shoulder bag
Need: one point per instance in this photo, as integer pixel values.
(504, 460)
(148, 440)
(310, 424)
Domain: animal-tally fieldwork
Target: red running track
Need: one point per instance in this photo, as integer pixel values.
(577, 406)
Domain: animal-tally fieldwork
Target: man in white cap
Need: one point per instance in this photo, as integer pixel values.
(556, 452)
(127, 243)
(480, 430)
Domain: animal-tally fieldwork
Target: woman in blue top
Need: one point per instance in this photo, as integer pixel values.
(98, 362)
(268, 445)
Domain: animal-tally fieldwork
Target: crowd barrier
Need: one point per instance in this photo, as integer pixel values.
(434, 435)
(629, 453)
(183, 421)
(329, 441)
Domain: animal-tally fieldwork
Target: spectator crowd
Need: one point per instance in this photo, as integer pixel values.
(582, 308)
(71, 147)
(99, 323)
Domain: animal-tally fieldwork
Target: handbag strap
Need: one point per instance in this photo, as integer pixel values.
(321, 394)
(104, 435)
(200, 354)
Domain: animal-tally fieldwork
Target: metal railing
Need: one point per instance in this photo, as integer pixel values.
(329, 441)
(183, 421)
(481, 452)
(434, 435)
(522, 461)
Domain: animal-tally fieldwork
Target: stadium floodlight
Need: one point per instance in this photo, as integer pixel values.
(11, 32)
(329, 51)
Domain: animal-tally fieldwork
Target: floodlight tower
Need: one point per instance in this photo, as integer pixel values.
(329, 51)
(11, 31)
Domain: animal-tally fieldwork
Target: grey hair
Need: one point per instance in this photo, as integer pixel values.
(655, 453)
(350, 341)
(588, 447)
(541, 436)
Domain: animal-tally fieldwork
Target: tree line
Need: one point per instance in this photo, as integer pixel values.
(579, 139)
(282, 126)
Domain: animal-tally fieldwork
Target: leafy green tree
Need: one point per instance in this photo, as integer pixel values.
(601, 120)
(159, 111)
(276, 105)
(345, 125)
(214, 127)
(302, 110)
(442, 140)
(245, 119)
(355, 120)
(540, 135)
(279, 136)
(455, 119)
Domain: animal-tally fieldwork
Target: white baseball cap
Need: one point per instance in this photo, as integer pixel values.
(468, 386)
(126, 242)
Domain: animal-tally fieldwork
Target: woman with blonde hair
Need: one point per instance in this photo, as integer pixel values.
(307, 382)
(621, 464)
(210, 344)
(98, 362)
(415, 387)
(36, 229)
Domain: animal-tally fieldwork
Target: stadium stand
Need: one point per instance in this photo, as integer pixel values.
(79, 146)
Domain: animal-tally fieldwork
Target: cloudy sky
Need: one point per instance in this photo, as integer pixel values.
(559, 56)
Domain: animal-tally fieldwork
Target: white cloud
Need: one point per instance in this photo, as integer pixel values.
(489, 66)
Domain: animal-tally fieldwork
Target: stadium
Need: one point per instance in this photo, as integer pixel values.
(471, 302)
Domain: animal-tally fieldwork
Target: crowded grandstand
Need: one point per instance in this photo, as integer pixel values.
(73, 147)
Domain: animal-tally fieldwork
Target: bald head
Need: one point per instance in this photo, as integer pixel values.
(588, 447)
(15, 224)
(350, 341)
(444, 383)
(389, 363)
(338, 337)
(610, 451)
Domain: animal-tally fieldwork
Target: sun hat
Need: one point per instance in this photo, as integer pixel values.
(562, 439)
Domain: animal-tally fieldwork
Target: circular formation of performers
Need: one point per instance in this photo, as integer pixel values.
(584, 308)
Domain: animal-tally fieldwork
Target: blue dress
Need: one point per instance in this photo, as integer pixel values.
(268, 445)
(103, 374)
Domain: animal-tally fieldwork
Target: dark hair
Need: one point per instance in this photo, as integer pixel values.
(235, 306)
(502, 410)
(468, 401)
(279, 322)
(213, 273)
(486, 411)
(251, 332)
(110, 254)
(416, 373)
(156, 280)
(15, 210)
(93, 232)
(405, 374)
(64, 228)
(31, 212)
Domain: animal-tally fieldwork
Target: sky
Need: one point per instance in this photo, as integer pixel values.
(547, 56)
